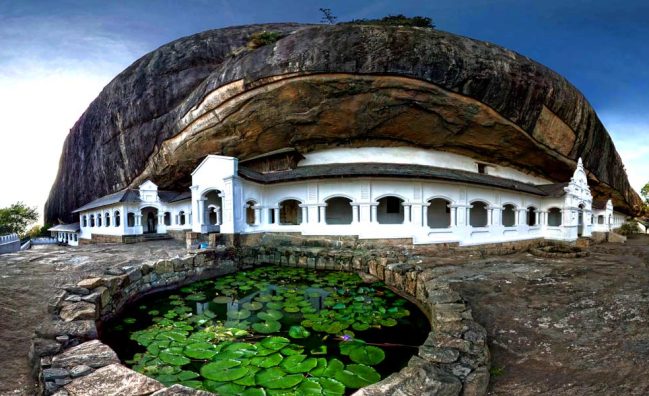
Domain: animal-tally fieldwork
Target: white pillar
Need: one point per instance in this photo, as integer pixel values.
(217, 211)
(305, 215)
(453, 216)
(322, 214)
(490, 217)
(257, 216)
(355, 214)
(406, 214)
(374, 218)
(201, 211)
(425, 216)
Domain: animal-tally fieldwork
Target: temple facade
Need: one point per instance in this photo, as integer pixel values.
(371, 193)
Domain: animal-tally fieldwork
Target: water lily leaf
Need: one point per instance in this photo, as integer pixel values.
(270, 326)
(389, 322)
(292, 349)
(319, 369)
(263, 298)
(298, 364)
(223, 388)
(238, 315)
(298, 332)
(291, 308)
(347, 347)
(357, 376)
(171, 357)
(253, 306)
(274, 305)
(276, 378)
(249, 378)
(267, 361)
(254, 392)
(187, 375)
(196, 297)
(244, 349)
(222, 299)
(310, 387)
(360, 326)
(368, 354)
(270, 315)
(338, 306)
(200, 350)
(192, 384)
(223, 370)
(333, 366)
(274, 343)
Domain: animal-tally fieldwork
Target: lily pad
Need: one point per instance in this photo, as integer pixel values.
(223, 370)
(270, 315)
(267, 361)
(238, 315)
(253, 306)
(222, 299)
(267, 327)
(200, 350)
(172, 357)
(298, 364)
(276, 378)
(298, 332)
(367, 354)
(357, 376)
(274, 343)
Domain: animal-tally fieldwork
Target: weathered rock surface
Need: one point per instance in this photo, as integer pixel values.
(179, 390)
(78, 311)
(93, 354)
(113, 380)
(330, 85)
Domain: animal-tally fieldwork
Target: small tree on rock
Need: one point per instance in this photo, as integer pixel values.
(16, 218)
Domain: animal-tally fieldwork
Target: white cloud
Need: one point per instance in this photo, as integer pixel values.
(50, 71)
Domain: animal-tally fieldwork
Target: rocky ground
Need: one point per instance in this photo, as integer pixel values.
(28, 279)
(559, 327)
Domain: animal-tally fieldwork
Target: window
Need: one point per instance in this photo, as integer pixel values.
(99, 220)
(181, 218)
(554, 217)
(130, 219)
(290, 212)
(339, 211)
(117, 219)
(250, 212)
(482, 168)
(92, 220)
(439, 214)
(478, 216)
(390, 211)
(509, 215)
(167, 218)
(107, 219)
(84, 221)
(531, 216)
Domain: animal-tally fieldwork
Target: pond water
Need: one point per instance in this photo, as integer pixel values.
(270, 331)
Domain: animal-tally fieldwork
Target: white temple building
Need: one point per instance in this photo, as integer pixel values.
(401, 192)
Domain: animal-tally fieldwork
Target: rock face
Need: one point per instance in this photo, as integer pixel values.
(321, 86)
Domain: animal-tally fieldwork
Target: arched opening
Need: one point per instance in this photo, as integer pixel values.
(117, 219)
(554, 217)
(99, 220)
(250, 212)
(289, 212)
(390, 210)
(84, 221)
(509, 215)
(130, 219)
(167, 218)
(600, 219)
(531, 216)
(107, 216)
(213, 205)
(478, 216)
(439, 214)
(181, 218)
(149, 220)
(338, 211)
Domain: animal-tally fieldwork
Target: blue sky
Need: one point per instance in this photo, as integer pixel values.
(56, 56)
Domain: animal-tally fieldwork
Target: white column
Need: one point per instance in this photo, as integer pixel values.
(257, 215)
(305, 215)
(453, 216)
(490, 217)
(355, 214)
(201, 211)
(276, 215)
(217, 211)
(374, 211)
(406, 214)
(322, 214)
(425, 216)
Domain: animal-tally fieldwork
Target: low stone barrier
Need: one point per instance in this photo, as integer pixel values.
(9, 243)
(68, 359)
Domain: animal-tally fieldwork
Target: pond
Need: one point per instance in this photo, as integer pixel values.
(270, 331)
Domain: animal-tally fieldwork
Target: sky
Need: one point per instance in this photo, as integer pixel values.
(56, 56)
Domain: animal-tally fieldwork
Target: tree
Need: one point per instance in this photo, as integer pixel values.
(16, 218)
(327, 16)
(645, 193)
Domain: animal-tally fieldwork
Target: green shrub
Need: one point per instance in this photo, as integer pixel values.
(259, 39)
(397, 20)
(628, 228)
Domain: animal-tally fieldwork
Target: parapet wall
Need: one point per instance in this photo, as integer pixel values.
(9, 243)
(453, 360)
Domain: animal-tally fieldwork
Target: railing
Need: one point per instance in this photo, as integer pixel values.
(9, 238)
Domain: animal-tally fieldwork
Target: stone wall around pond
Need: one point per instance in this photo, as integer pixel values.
(66, 354)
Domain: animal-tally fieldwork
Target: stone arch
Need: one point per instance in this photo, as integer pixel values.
(290, 212)
(478, 213)
(390, 209)
(438, 213)
(508, 218)
(339, 210)
(213, 206)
